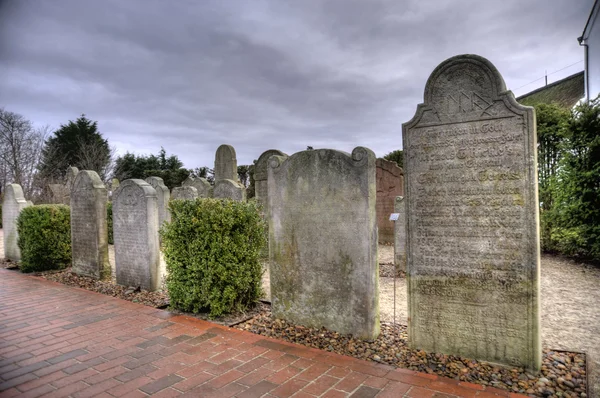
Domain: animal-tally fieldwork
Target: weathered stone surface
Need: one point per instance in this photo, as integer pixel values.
(472, 218)
(58, 193)
(89, 228)
(205, 190)
(70, 176)
(400, 234)
(390, 183)
(12, 204)
(229, 189)
(225, 164)
(185, 193)
(261, 191)
(323, 240)
(163, 196)
(135, 230)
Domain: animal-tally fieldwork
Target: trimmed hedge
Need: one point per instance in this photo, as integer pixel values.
(109, 220)
(44, 237)
(212, 249)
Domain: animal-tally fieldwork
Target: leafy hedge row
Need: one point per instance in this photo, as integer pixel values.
(44, 237)
(212, 250)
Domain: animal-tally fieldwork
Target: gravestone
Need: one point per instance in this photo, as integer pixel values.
(70, 176)
(323, 240)
(12, 204)
(225, 164)
(230, 189)
(390, 184)
(135, 230)
(89, 227)
(185, 193)
(473, 270)
(163, 196)
(400, 234)
(58, 192)
(205, 190)
(261, 191)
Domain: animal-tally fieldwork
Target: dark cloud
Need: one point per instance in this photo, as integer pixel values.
(191, 75)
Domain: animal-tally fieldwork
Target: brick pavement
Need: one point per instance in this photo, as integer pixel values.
(59, 341)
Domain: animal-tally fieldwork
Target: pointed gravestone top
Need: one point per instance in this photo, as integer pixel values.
(472, 218)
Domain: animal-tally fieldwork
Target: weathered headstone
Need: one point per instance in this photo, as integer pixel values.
(14, 201)
(114, 184)
(472, 218)
(185, 193)
(163, 196)
(225, 163)
(323, 240)
(135, 230)
(229, 189)
(205, 190)
(58, 193)
(70, 176)
(261, 191)
(89, 228)
(390, 183)
(400, 234)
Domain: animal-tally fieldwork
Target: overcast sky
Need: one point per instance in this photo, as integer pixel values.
(262, 74)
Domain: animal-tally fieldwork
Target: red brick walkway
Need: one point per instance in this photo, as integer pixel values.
(59, 341)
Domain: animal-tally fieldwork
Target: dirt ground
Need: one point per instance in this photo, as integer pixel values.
(570, 305)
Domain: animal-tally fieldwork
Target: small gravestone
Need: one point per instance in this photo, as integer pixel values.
(473, 262)
(163, 196)
(323, 240)
(185, 193)
(400, 234)
(261, 191)
(14, 201)
(58, 192)
(70, 176)
(89, 228)
(205, 190)
(225, 164)
(229, 189)
(135, 230)
(390, 183)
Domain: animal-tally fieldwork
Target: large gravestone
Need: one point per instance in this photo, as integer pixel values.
(89, 228)
(225, 163)
(261, 191)
(185, 193)
(14, 201)
(323, 240)
(135, 230)
(400, 234)
(390, 184)
(205, 190)
(163, 196)
(472, 218)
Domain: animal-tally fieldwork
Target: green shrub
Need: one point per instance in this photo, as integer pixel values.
(212, 250)
(44, 237)
(109, 220)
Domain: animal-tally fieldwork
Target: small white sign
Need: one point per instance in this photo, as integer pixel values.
(394, 216)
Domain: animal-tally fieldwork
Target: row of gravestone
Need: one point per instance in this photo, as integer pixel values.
(470, 215)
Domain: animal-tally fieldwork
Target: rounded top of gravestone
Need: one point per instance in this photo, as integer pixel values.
(260, 169)
(156, 181)
(131, 187)
(225, 151)
(14, 192)
(87, 179)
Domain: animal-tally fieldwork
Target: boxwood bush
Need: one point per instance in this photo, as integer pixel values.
(44, 237)
(212, 249)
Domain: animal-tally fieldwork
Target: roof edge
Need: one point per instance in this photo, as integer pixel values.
(594, 11)
(556, 83)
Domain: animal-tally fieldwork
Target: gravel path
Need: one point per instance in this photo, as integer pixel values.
(570, 305)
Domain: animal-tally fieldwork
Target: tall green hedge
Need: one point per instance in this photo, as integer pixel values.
(44, 237)
(212, 250)
(109, 220)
